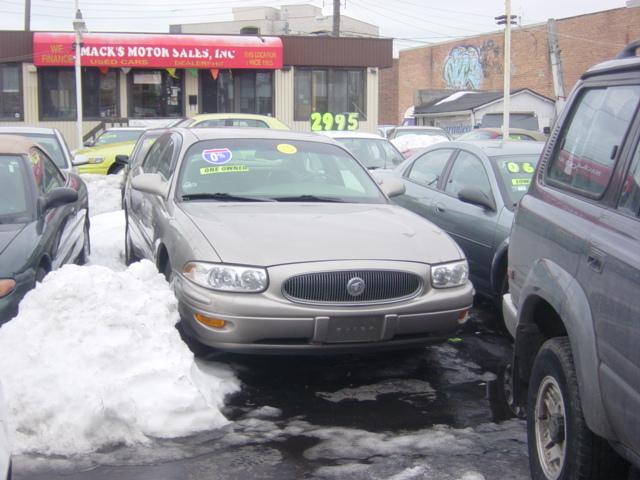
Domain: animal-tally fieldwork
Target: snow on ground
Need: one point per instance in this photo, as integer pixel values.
(457, 370)
(93, 360)
(104, 192)
(412, 141)
(107, 240)
(371, 392)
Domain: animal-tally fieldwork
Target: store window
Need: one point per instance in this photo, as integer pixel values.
(155, 93)
(10, 91)
(58, 93)
(329, 90)
(240, 91)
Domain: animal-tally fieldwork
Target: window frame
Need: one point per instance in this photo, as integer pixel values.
(362, 115)
(164, 74)
(20, 93)
(451, 166)
(445, 169)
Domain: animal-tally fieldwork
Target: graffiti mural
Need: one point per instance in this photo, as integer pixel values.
(463, 68)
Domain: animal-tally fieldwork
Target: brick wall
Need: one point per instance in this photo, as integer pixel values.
(584, 41)
(388, 95)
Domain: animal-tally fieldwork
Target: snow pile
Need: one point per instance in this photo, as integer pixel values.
(107, 240)
(93, 360)
(104, 192)
(412, 141)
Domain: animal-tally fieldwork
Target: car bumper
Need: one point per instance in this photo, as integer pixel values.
(95, 168)
(269, 323)
(510, 314)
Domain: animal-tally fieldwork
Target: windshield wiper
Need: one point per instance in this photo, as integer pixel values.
(308, 198)
(223, 197)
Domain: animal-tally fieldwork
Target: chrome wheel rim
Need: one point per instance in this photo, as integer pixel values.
(550, 421)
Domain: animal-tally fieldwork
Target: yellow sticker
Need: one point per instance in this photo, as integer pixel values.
(513, 167)
(224, 169)
(528, 168)
(286, 148)
(516, 182)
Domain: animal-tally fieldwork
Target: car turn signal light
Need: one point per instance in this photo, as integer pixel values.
(210, 321)
(6, 286)
(463, 317)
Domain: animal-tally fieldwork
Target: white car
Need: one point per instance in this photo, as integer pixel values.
(5, 451)
(373, 151)
(50, 139)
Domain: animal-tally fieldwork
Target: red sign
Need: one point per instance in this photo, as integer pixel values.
(158, 51)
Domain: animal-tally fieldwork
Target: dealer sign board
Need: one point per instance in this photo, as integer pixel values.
(158, 51)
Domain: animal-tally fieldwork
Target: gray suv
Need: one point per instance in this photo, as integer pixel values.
(574, 277)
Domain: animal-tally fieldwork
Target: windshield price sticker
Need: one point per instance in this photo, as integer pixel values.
(287, 148)
(330, 121)
(519, 182)
(217, 156)
(226, 169)
(515, 167)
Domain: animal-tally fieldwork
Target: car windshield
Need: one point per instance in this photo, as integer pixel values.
(231, 122)
(254, 169)
(373, 152)
(50, 144)
(515, 172)
(117, 136)
(13, 192)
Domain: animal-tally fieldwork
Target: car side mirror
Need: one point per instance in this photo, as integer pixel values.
(58, 197)
(392, 187)
(79, 160)
(151, 183)
(89, 143)
(475, 196)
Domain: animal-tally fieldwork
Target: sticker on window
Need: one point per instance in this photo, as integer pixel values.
(227, 169)
(217, 156)
(518, 182)
(513, 167)
(286, 148)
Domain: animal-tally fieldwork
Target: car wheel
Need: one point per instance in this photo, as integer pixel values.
(501, 398)
(561, 446)
(168, 272)
(129, 254)
(83, 256)
(41, 272)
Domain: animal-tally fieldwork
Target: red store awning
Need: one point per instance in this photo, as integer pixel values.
(158, 51)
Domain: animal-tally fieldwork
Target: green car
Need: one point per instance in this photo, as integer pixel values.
(101, 155)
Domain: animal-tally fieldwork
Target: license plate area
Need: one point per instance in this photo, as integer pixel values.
(354, 329)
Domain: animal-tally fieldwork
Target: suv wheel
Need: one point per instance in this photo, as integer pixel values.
(561, 446)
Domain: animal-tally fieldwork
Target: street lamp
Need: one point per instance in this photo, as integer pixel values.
(79, 27)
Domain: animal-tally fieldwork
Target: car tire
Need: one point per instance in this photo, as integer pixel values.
(129, 253)
(561, 446)
(83, 256)
(501, 398)
(41, 272)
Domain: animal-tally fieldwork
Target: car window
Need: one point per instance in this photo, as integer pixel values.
(165, 161)
(153, 158)
(373, 152)
(116, 136)
(467, 171)
(13, 188)
(630, 196)
(50, 143)
(427, 169)
(514, 173)
(231, 122)
(275, 169)
(45, 172)
(588, 146)
(142, 149)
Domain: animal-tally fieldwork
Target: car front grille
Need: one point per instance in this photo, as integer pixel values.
(381, 286)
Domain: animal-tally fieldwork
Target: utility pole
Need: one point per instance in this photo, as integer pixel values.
(27, 15)
(556, 65)
(336, 18)
(78, 27)
(507, 19)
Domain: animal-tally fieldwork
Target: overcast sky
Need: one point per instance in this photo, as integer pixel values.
(412, 22)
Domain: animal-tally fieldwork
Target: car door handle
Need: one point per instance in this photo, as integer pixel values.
(595, 260)
(439, 208)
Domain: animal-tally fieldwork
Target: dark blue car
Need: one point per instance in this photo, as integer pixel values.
(44, 219)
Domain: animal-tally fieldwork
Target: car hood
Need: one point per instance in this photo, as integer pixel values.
(7, 233)
(124, 148)
(267, 234)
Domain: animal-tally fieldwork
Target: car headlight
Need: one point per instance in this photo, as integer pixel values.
(6, 286)
(96, 159)
(227, 278)
(450, 274)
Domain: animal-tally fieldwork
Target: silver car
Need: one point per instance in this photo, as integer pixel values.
(278, 241)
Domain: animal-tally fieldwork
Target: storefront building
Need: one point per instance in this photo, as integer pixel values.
(146, 77)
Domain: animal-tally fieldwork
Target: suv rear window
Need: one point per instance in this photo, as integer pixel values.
(597, 125)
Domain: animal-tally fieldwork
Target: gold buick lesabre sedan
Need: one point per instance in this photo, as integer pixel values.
(281, 242)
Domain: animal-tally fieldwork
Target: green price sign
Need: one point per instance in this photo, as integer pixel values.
(331, 121)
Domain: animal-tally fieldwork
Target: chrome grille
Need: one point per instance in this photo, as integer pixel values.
(331, 287)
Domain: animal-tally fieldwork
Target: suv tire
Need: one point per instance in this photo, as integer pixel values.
(561, 446)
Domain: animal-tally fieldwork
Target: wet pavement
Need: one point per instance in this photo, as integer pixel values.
(424, 413)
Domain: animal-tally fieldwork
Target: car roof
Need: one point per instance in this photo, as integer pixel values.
(212, 116)
(417, 127)
(214, 133)
(351, 134)
(112, 129)
(499, 130)
(493, 148)
(18, 130)
(16, 145)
